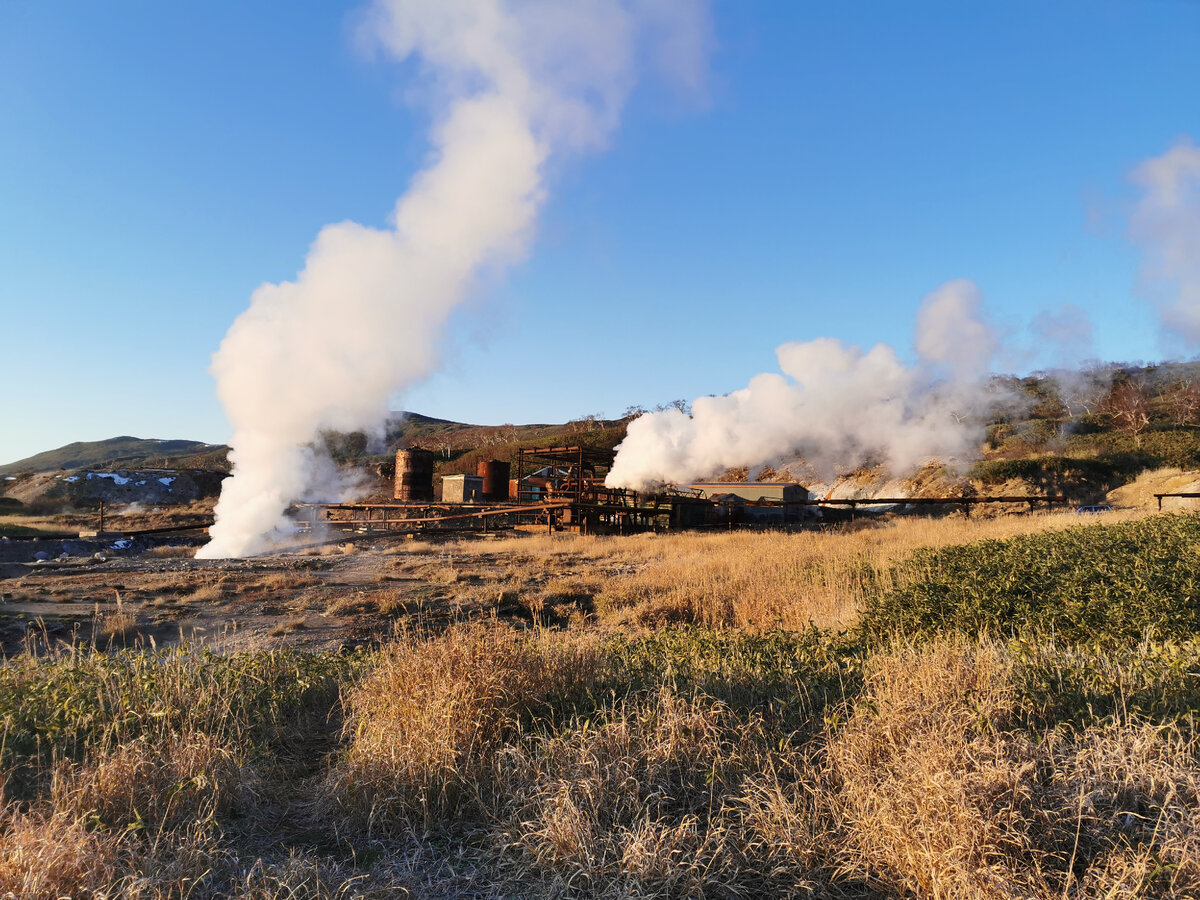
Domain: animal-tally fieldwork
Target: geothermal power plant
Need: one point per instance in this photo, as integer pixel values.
(562, 489)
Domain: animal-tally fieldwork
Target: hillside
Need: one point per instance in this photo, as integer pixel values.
(458, 444)
(1083, 433)
(124, 450)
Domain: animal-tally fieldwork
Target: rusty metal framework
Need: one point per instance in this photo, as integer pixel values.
(562, 489)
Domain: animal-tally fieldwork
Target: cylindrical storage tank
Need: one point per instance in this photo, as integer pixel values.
(414, 475)
(495, 474)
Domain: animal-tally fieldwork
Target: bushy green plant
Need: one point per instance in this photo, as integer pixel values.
(1085, 684)
(1095, 583)
(796, 675)
(64, 706)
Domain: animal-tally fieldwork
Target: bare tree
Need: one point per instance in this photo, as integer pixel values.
(1128, 406)
(1084, 392)
(1182, 401)
(680, 405)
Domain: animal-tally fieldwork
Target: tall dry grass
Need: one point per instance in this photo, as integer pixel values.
(660, 795)
(937, 793)
(783, 580)
(423, 728)
(140, 819)
(929, 783)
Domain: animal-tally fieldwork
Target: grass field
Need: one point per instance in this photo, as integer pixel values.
(928, 708)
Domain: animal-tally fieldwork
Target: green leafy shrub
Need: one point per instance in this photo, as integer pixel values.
(797, 675)
(1095, 583)
(1154, 681)
(64, 707)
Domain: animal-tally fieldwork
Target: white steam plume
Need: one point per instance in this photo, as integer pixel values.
(1166, 226)
(834, 404)
(513, 82)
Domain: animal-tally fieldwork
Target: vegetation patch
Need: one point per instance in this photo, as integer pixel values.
(1098, 583)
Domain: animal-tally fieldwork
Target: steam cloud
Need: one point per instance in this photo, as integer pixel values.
(513, 83)
(1166, 226)
(834, 404)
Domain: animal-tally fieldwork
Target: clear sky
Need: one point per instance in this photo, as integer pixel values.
(158, 161)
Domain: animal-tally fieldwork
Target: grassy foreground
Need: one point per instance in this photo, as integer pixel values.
(964, 725)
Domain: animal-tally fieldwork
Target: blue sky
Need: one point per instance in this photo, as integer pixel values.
(160, 161)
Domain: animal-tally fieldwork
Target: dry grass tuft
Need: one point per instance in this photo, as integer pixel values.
(301, 877)
(646, 800)
(289, 626)
(170, 552)
(934, 800)
(116, 627)
(1136, 792)
(54, 855)
(423, 728)
(209, 592)
(138, 821)
(286, 581)
(938, 797)
(167, 782)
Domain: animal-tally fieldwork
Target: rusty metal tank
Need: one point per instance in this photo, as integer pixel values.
(495, 474)
(414, 475)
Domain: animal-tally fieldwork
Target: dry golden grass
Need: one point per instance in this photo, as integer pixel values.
(424, 726)
(289, 626)
(169, 552)
(646, 802)
(495, 762)
(162, 783)
(938, 795)
(748, 580)
(934, 799)
(776, 580)
(138, 820)
(53, 855)
(114, 627)
(286, 581)
(209, 592)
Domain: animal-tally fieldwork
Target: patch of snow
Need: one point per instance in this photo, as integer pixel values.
(73, 478)
(119, 479)
(10, 477)
(121, 545)
(167, 481)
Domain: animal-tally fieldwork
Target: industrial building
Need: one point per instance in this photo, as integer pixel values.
(462, 489)
(562, 489)
(758, 502)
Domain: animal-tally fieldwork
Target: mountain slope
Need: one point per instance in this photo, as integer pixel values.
(123, 450)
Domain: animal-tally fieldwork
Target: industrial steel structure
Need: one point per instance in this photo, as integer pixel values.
(562, 489)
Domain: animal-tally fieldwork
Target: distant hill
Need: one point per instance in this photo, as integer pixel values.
(127, 451)
(459, 445)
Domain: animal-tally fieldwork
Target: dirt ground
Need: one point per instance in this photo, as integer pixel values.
(336, 595)
(150, 591)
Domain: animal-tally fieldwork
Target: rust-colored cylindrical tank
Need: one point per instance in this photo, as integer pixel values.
(495, 474)
(414, 475)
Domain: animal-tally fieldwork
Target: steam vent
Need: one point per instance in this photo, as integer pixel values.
(414, 475)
